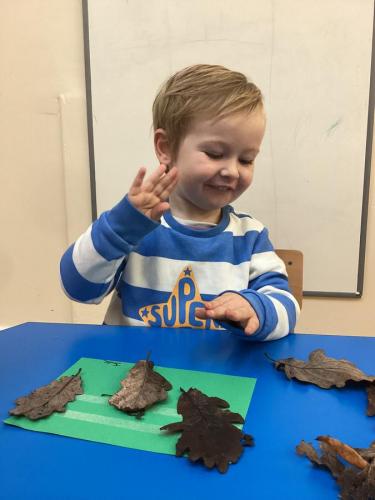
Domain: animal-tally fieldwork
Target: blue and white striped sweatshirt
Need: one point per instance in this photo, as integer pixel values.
(163, 271)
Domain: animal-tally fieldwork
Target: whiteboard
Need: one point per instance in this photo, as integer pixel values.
(312, 61)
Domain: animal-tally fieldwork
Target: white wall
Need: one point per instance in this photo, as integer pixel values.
(44, 174)
(43, 147)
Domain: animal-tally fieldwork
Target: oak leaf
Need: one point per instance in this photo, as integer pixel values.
(207, 430)
(322, 370)
(326, 372)
(357, 482)
(49, 398)
(141, 388)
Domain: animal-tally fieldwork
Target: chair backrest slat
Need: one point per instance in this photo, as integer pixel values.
(293, 260)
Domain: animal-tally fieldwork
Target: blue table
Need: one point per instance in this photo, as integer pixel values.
(40, 466)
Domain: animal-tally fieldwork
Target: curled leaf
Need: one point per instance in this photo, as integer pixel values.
(345, 451)
(207, 430)
(357, 481)
(141, 388)
(328, 458)
(368, 453)
(49, 398)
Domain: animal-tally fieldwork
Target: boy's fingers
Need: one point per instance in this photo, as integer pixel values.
(239, 314)
(235, 315)
(137, 183)
(165, 182)
(154, 178)
(158, 210)
(217, 313)
(219, 301)
(251, 326)
(225, 312)
(164, 195)
(200, 312)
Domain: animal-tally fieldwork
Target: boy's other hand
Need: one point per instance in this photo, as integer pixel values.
(231, 307)
(150, 196)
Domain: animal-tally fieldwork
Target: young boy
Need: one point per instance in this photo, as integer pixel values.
(174, 250)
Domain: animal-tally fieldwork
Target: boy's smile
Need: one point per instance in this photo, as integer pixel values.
(215, 164)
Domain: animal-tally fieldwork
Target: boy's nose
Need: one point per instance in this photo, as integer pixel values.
(230, 170)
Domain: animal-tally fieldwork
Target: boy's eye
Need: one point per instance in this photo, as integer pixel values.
(246, 162)
(214, 156)
(217, 156)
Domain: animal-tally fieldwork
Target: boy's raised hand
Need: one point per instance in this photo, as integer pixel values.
(150, 196)
(231, 307)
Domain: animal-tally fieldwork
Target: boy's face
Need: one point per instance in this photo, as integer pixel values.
(215, 163)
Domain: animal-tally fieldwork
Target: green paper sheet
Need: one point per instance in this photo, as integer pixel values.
(91, 417)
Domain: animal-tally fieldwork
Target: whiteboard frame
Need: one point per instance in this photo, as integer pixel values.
(367, 170)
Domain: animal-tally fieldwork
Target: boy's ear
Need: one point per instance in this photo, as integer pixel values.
(162, 148)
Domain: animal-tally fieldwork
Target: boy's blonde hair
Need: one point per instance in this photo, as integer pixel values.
(201, 91)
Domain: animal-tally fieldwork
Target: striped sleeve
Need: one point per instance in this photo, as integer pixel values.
(90, 268)
(269, 294)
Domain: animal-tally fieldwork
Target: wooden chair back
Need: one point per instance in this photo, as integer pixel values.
(293, 260)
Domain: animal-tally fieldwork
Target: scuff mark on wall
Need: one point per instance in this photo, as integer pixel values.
(333, 127)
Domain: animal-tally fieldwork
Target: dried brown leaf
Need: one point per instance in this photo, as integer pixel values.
(367, 453)
(141, 388)
(49, 398)
(371, 399)
(327, 459)
(355, 483)
(322, 370)
(345, 451)
(358, 485)
(207, 430)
